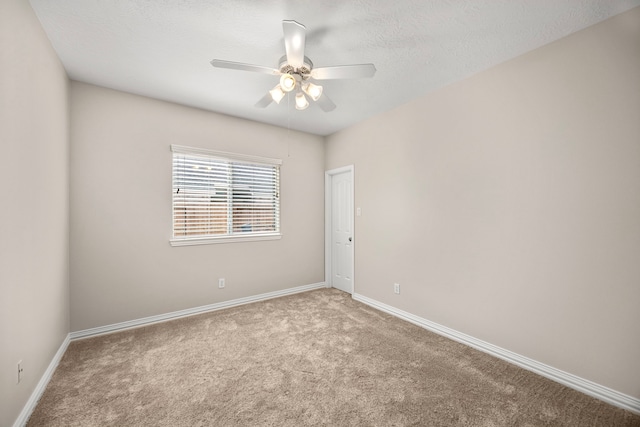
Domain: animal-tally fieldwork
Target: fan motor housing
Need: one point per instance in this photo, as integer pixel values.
(302, 71)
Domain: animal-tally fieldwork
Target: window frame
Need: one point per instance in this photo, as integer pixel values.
(223, 238)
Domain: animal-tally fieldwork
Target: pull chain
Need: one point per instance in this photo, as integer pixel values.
(288, 124)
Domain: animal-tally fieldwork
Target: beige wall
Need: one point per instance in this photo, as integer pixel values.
(122, 266)
(34, 286)
(508, 205)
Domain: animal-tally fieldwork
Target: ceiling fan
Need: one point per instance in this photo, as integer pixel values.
(297, 73)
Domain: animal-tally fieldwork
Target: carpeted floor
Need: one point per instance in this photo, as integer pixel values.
(317, 358)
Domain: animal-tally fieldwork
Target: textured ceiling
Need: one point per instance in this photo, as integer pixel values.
(162, 48)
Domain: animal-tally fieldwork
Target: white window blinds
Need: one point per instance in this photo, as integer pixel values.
(218, 195)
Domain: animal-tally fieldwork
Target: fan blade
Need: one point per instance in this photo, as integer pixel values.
(326, 103)
(294, 40)
(244, 67)
(344, 72)
(264, 101)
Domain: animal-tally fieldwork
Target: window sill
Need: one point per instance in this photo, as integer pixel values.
(224, 239)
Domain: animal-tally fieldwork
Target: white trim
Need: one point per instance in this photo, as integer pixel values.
(182, 149)
(327, 224)
(131, 324)
(224, 239)
(582, 385)
(28, 408)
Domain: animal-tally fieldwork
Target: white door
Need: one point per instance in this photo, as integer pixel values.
(342, 231)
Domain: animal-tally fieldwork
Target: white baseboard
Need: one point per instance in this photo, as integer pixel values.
(580, 384)
(42, 384)
(101, 330)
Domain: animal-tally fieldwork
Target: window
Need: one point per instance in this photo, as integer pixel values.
(223, 197)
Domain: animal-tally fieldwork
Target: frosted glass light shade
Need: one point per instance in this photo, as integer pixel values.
(287, 82)
(301, 101)
(277, 94)
(314, 91)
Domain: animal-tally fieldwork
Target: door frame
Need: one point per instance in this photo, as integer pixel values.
(328, 175)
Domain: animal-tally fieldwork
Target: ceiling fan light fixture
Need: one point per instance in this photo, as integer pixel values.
(301, 101)
(295, 72)
(277, 94)
(314, 91)
(287, 82)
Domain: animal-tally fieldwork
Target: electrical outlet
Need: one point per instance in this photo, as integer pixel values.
(221, 283)
(396, 288)
(20, 369)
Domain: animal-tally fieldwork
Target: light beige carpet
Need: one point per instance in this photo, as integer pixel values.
(317, 358)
